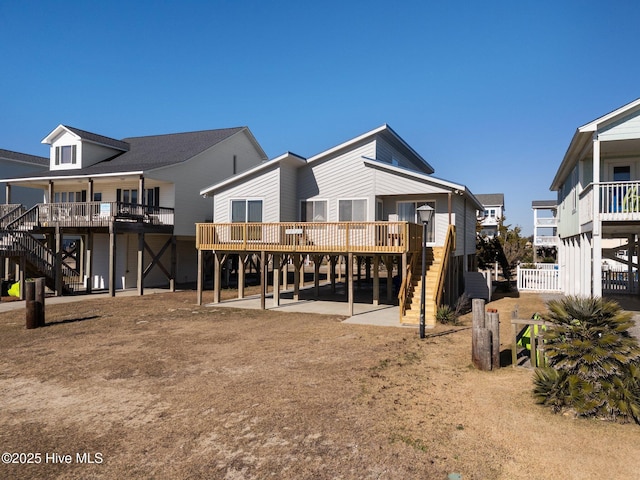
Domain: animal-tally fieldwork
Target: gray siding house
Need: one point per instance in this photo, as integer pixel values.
(369, 186)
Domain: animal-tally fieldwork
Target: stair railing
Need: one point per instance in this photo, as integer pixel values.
(449, 247)
(406, 288)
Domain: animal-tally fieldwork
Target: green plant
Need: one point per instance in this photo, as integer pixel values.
(594, 362)
(444, 314)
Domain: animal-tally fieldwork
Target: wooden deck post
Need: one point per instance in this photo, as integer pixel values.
(376, 279)
(302, 258)
(388, 262)
(296, 276)
(277, 269)
(140, 279)
(174, 264)
(317, 259)
(350, 282)
(89, 261)
(263, 279)
(112, 260)
(58, 264)
(242, 261)
(200, 278)
(217, 277)
(332, 266)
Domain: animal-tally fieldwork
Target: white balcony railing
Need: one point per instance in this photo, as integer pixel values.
(545, 241)
(619, 201)
(546, 222)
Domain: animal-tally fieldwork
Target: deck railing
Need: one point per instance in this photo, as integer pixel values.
(619, 201)
(101, 214)
(309, 237)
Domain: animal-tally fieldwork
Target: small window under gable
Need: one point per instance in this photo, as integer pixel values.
(66, 155)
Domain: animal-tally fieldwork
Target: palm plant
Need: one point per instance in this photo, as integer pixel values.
(594, 362)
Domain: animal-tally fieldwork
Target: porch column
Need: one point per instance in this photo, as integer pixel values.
(317, 259)
(350, 282)
(199, 279)
(141, 190)
(58, 264)
(217, 277)
(112, 260)
(90, 191)
(296, 276)
(388, 261)
(631, 247)
(332, 266)
(242, 260)
(50, 191)
(7, 193)
(140, 281)
(174, 263)
(596, 288)
(376, 280)
(263, 279)
(277, 269)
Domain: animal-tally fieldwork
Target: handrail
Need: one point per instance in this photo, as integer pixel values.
(10, 213)
(406, 286)
(449, 246)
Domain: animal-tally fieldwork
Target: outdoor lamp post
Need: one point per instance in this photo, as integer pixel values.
(425, 213)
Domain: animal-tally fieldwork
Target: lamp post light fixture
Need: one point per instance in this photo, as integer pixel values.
(425, 213)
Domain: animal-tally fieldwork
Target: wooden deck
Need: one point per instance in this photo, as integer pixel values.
(308, 237)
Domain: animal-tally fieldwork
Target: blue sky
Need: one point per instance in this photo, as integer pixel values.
(490, 93)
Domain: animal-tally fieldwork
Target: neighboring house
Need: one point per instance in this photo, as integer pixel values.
(14, 164)
(545, 228)
(117, 214)
(491, 214)
(356, 200)
(598, 185)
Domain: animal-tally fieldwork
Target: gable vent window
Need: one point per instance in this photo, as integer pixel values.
(66, 155)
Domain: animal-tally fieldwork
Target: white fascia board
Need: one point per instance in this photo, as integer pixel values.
(55, 132)
(347, 143)
(206, 192)
(72, 177)
(454, 187)
(594, 125)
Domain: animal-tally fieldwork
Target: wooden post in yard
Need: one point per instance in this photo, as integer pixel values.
(481, 337)
(492, 321)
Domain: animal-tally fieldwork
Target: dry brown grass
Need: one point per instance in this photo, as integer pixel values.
(162, 388)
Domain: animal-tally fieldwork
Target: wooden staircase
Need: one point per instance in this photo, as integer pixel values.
(435, 264)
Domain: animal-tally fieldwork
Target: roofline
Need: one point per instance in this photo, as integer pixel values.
(206, 192)
(44, 164)
(422, 176)
(368, 134)
(48, 141)
(71, 177)
(581, 137)
(595, 124)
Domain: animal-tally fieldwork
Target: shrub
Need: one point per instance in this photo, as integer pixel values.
(444, 314)
(594, 362)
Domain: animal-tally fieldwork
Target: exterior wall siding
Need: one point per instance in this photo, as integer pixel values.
(265, 187)
(24, 195)
(628, 128)
(65, 139)
(208, 168)
(334, 179)
(289, 203)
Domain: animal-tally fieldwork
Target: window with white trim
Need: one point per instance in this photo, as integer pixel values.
(246, 211)
(66, 155)
(313, 211)
(408, 212)
(352, 210)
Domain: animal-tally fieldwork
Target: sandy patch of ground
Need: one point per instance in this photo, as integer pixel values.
(162, 388)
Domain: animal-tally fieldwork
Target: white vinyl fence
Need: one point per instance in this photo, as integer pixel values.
(544, 278)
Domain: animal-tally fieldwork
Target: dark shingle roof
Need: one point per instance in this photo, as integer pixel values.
(492, 199)
(24, 157)
(101, 139)
(545, 203)
(147, 153)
